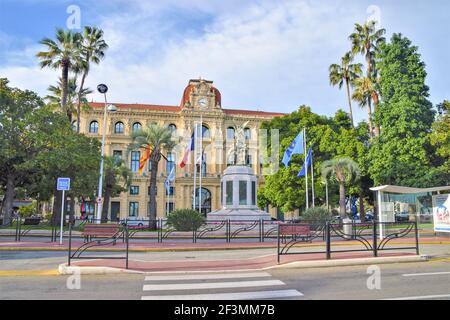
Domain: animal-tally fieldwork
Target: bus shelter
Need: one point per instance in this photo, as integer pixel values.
(398, 203)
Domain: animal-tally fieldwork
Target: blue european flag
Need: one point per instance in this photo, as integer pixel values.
(307, 163)
(296, 147)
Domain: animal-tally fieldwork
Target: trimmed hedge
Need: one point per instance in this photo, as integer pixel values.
(185, 219)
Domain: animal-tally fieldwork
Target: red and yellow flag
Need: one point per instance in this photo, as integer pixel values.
(145, 155)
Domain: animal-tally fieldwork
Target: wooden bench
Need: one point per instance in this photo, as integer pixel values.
(296, 231)
(100, 231)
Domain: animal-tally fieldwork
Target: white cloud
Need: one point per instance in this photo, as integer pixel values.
(265, 55)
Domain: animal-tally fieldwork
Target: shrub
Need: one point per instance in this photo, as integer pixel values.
(185, 219)
(317, 214)
(27, 211)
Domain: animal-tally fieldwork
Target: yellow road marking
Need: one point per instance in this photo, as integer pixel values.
(26, 273)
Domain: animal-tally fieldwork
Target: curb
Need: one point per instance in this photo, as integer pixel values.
(63, 269)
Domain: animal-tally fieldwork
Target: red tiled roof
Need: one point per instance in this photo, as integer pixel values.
(177, 108)
(137, 106)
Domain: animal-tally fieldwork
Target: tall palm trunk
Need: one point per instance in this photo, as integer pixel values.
(349, 101)
(64, 89)
(376, 101)
(105, 208)
(342, 200)
(80, 90)
(9, 198)
(362, 213)
(369, 111)
(56, 214)
(153, 176)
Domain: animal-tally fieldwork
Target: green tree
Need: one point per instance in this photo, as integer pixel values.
(343, 171)
(156, 138)
(366, 92)
(93, 49)
(367, 41)
(18, 112)
(63, 54)
(440, 140)
(117, 179)
(347, 73)
(402, 154)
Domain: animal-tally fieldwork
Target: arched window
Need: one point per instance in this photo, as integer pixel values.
(170, 162)
(119, 127)
(137, 126)
(93, 127)
(247, 133)
(205, 132)
(172, 128)
(230, 133)
(205, 200)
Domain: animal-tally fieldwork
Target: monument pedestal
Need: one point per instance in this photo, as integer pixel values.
(239, 188)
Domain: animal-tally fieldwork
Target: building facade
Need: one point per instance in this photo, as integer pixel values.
(201, 103)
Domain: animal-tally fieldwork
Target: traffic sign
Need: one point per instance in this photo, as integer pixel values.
(63, 184)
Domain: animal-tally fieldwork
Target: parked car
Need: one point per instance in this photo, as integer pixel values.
(402, 217)
(134, 222)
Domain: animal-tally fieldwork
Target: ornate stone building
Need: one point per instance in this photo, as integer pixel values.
(201, 101)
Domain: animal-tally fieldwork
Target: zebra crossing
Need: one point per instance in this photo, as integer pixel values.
(216, 286)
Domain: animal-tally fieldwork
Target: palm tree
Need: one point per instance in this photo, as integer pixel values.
(64, 54)
(117, 179)
(72, 96)
(344, 171)
(156, 138)
(346, 73)
(366, 92)
(367, 40)
(92, 50)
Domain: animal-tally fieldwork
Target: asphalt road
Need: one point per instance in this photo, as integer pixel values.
(424, 280)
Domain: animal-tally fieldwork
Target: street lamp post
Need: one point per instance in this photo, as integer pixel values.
(102, 88)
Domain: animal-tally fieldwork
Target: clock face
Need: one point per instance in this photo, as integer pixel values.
(203, 102)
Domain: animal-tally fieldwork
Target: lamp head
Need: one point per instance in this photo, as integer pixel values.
(111, 108)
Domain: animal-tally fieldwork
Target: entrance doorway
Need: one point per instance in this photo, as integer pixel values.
(115, 210)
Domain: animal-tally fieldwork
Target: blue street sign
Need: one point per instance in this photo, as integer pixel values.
(63, 184)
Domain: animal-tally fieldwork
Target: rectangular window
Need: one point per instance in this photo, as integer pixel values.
(242, 192)
(134, 209)
(229, 192)
(170, 207)
(248, 160)
(135, 155)
(117, 154)
(134, 190)
(171, 191)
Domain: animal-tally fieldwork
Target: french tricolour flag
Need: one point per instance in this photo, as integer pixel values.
(189, 148)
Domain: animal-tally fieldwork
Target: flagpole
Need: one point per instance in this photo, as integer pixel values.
(312, 177)
(195, 165)
(201, 164)
(306, 167)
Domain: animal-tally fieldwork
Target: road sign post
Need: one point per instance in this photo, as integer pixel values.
(63, 184)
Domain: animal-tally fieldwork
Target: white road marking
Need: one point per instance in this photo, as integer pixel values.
(231, 296)
(212, 285)
(422, 297)
(207, 276)
(424, 274)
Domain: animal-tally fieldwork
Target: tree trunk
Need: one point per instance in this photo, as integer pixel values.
(79, 101)
(8, 200)
(72, 209)
(342, 200)
(64, 89)
(362, 213)
(105, 207)
(56, 212)
(369, 111)
(376, 101)
(349, 102)
(152, 205)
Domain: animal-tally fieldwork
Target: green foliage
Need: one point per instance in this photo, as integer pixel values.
(185, 219)
(317, 214)
(28, 210)
(402, 154)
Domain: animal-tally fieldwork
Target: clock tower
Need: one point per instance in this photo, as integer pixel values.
(201, 94)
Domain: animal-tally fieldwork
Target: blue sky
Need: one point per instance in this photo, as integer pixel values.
(261, 55)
